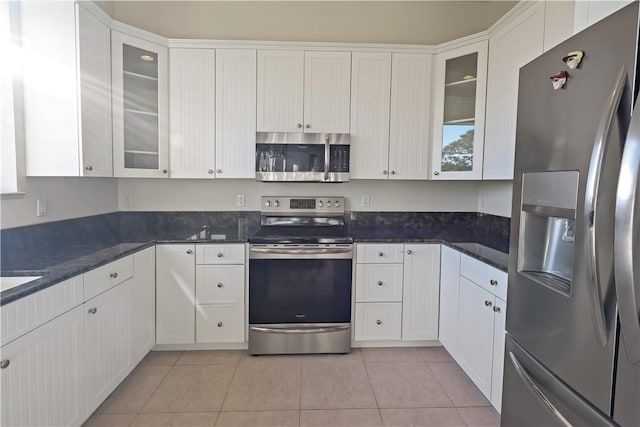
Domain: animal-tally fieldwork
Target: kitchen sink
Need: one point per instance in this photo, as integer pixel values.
(13, 281)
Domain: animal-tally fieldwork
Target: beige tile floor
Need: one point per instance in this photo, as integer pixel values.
(368, 387)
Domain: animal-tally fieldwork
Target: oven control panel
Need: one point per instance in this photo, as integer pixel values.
(302, 205)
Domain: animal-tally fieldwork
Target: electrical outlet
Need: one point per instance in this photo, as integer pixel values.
(365, 201)
(240, 200)
(128, 200)
(41, 207)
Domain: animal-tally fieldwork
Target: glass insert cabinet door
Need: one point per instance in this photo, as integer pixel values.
(140, 101)
(460, 91)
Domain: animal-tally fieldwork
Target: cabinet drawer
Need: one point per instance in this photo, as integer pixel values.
(106, 277)
(378, 321)
(380, 253)
(219, 284)
(378, 282)
(490, 278)
(220, 254)
(220, 323)
(24, 315)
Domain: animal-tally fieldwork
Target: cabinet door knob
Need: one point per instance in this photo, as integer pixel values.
(93, 310)
(393, 172)
(488, 303)
(380, 254)
(164, 171)
(189, 251)
(89, 168)
(210, 171)
(496, 309)
(113, 275)
(409, 252)
(307, 126)
(379, 322)
(219, 324)
(218, 170)
(299, 125)
(219, 255)
(384, 172)
(5, 364)
(220, 285)
(493, 282)
(380, 283)
(436, 173)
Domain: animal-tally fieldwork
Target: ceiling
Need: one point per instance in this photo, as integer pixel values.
(398, 22)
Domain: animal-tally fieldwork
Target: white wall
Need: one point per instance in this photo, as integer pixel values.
(494, 197)
(186, 195)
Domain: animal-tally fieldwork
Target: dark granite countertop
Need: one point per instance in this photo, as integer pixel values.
(60, 262)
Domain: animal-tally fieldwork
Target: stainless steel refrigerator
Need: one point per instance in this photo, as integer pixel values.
(573, 326)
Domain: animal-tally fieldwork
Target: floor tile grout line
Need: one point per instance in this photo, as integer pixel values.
(226, 393)
(156, 389)
(366, 369)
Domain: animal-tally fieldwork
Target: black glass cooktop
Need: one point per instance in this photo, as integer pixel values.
(300, 235)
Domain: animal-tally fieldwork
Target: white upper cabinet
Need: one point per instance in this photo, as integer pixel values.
(66, 89)
(370, 106)
(390, 115)
(459, 107)
(235, 113)
(410, 116)
(558, 22)
(303, 91)
(327, 91)
(140, 107)
(588, 12)
(192, 112)
(511, 47)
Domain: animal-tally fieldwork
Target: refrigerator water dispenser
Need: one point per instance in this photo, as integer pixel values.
(547, 228)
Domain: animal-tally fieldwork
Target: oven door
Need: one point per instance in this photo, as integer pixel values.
(297, 284)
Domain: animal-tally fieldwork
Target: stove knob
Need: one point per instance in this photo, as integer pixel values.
(268, 203)
(320, 203)
(336, 204)
(328, 203)
(276, 203)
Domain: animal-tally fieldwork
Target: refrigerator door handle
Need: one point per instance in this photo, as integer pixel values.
(592, 192)
(627, 239)
(531, 384)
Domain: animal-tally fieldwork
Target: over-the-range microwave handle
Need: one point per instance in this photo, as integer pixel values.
(627, 239)
(592, 192)
(327, 156)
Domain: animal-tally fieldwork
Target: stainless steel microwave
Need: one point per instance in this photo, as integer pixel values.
(302, 157)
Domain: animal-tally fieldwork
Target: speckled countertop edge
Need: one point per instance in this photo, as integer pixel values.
(63, 271)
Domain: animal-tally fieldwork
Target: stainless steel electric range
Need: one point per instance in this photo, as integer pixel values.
(300, 277)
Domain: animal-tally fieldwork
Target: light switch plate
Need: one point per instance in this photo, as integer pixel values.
(365, 201)
(240, 200)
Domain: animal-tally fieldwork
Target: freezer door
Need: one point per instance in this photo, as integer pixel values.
(533, 396)
(557, 309)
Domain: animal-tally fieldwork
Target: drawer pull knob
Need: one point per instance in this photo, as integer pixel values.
(189, 251)
(219, 324)
(496, 309)
(113, 275)
(379, 282)
(409, 252)
(379, 322)
(89, 168)
(5, 364)
(488, 303)
(380, 254)
(220, 285)
(219, 255)
(93, 310)
(493, 282)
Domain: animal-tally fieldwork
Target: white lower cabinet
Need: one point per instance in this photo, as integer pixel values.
(200, 294)
(378, 321)
(397, 292)
(472, 319)
(107, 342)
(43, 374)
(175, 294)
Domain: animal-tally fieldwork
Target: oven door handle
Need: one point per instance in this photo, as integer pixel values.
(280, 253)
(304, 330)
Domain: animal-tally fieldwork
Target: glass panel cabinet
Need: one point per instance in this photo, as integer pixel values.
(460, 90)
(140, 107)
